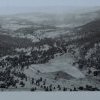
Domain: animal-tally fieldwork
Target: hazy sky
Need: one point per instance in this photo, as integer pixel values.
(36, 3)
(16, 6)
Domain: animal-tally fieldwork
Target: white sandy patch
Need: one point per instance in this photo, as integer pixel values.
(62, 63)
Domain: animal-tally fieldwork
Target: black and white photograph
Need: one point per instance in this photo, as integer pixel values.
(49, 45)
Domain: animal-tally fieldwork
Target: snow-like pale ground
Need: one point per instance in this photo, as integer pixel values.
(61, 63)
